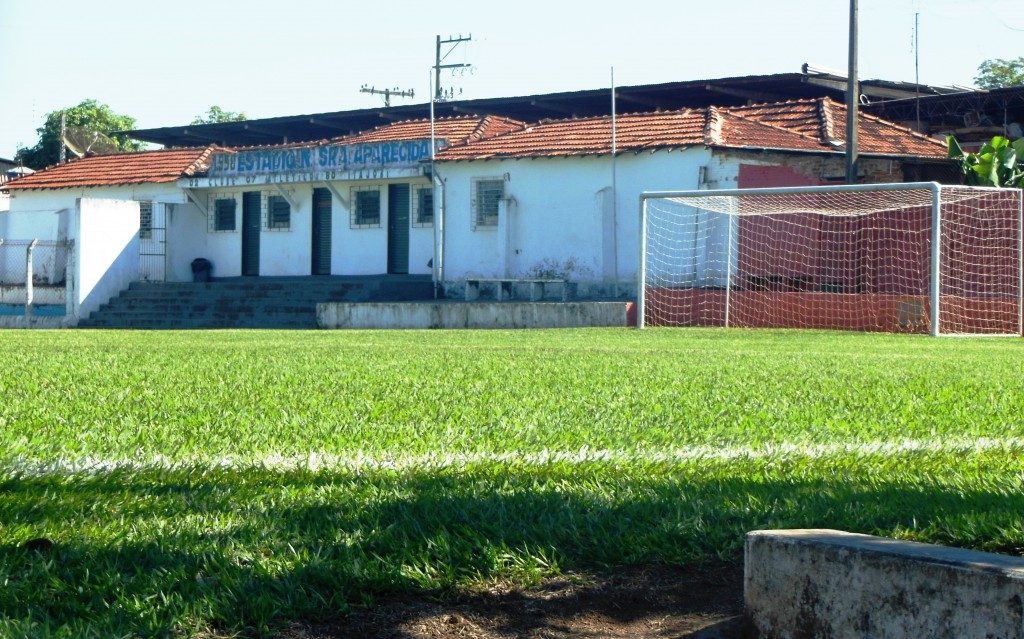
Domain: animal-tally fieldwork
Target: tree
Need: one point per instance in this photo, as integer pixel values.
(217, 114)
(88, 114)
(998, 73)
(998, 163)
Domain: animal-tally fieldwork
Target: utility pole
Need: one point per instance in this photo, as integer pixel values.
(387, 93)
(438, 59)
(63, 135)
(852, 100)
(917, 73)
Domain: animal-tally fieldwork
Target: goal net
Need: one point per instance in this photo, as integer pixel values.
(913, 258)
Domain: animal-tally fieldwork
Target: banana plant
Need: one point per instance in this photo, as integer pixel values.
(998, 163)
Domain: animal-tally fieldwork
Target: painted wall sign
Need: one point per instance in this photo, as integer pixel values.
(298, 177)
(339, 158)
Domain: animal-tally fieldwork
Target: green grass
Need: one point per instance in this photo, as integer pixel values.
(201, 513)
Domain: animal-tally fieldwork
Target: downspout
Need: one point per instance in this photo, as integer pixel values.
(434, 272)
(440, 205)
(615, 205)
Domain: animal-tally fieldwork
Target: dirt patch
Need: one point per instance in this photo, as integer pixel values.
(639, 602)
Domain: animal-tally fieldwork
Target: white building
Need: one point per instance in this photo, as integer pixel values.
(515, 200)
(550, 200)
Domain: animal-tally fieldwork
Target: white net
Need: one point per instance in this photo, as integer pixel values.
(831, 258)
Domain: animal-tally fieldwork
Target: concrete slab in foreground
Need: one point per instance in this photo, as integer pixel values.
(470, 314)
(830, 584)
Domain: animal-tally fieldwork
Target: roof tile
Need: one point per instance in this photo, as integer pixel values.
(814, 125)
(453, 130)
(166, 165)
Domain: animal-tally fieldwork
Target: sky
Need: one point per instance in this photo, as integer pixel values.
(164, 63)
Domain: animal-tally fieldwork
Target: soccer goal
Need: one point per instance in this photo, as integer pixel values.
(909, 258)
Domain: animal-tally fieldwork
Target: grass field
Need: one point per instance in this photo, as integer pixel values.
(222, 482)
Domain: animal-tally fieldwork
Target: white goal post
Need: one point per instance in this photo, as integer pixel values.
(915, 257)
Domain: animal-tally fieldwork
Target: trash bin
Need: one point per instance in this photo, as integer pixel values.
(201, 269)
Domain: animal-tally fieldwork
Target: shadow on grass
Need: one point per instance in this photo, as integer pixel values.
(160, 552)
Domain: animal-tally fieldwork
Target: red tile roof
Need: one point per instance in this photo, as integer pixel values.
(450, 130)
(454, 130)
(825, 119)
(113, 170)
(816, 125)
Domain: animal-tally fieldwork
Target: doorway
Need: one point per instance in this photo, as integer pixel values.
(398, 229)
(251, 201)
(321, 235)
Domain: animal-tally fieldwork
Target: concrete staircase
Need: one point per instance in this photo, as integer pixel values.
(249, 302)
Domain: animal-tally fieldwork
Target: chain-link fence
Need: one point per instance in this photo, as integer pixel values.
(33, 278)
(46, 262)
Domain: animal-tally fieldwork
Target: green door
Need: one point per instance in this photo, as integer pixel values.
(398, 228)
(251, 219)
(321, 232)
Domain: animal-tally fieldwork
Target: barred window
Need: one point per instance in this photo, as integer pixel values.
(487, 195)
(365, 207)
(279, 213)
(224, 214)
(424, 203)
(145, 220)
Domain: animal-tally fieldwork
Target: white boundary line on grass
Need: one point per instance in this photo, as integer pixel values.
(314, 461)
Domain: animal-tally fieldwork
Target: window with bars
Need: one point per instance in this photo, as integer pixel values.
(365, 207)
(145, 220)
(424, 205)
(279, 213)
(487, 195)
(224, 214)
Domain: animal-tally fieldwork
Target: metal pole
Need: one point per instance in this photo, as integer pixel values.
(917, 73)
(433, 202)
(641, 292)
(852, 100)
(1020, 261)
(728, 269)
(29, 292)
(615, 198)
(63, 135)
(936, 280)
(803, 190)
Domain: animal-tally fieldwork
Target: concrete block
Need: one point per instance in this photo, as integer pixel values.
(470, 314)
(830, 584)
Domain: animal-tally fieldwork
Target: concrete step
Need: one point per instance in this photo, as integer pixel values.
(247, 302)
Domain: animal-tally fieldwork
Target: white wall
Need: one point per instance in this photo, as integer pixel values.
(44, 214)
(106, 252)
(559, 214)
(354, 251)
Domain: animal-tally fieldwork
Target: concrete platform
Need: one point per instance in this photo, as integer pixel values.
(453, 314)
(830, 584)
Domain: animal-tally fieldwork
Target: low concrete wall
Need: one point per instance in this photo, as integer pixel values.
(19, 321)
(40, 294)
(470, 314)
(830, 584)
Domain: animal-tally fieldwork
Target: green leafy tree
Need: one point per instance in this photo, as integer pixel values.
(88, 114)
(217, 114)
(999, 163)
(998, 73)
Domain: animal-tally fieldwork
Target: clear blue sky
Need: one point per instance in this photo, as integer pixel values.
(166, 62)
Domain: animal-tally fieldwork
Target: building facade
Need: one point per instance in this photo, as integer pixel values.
(466, 197)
